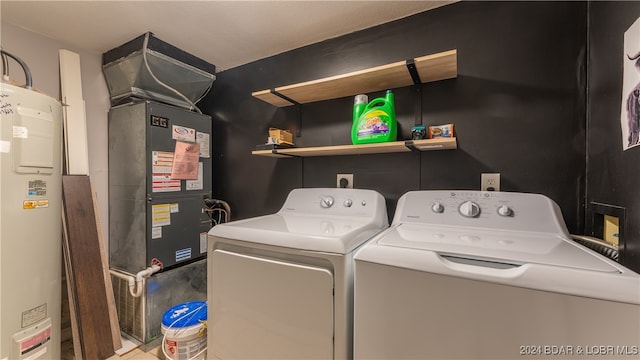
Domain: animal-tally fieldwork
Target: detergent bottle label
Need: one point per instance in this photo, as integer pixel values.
(374, 122)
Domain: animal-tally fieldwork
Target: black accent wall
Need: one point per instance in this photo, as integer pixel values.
(518, 107)
(613, 175)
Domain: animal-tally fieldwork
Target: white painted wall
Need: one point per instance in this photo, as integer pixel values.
(41, 55)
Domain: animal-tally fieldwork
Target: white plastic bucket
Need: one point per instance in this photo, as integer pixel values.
(185, 332)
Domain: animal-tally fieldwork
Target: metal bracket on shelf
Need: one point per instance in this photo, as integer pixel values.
(413, 71)
(295, 103)
(274, 92)
(409, 144)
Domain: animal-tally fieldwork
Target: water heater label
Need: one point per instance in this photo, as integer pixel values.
(20, 132)
(34, 315)
(35, 204)
(37, 188)
(5, 146)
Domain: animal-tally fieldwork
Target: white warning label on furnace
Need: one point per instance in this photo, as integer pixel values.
(160, 215)
(198, 183)
(162, 162)
(164, 183)
(183, 133)
(203, 140)
(203, 242)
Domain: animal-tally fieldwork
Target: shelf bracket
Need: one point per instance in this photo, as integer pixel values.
(282, 96)
(276, 152)
(296, 104)
(413, 71)
(409, 144)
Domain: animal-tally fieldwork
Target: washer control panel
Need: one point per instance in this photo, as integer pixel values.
(504, 210)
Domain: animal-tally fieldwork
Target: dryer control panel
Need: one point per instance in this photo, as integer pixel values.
(482, 209)
(335, 201)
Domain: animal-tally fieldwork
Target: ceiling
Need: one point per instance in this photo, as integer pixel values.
(224, 33)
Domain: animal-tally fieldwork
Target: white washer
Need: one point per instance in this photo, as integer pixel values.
(280, 286)
(489, 275)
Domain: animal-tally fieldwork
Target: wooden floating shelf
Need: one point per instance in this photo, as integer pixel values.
(429, 68)
(379, 148)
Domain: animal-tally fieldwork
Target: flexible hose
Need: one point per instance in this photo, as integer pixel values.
(27, 72)
(597, 245)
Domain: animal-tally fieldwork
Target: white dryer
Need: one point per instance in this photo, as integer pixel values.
(280, 286)
(489, 275)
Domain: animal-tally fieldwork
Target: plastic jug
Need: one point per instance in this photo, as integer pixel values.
(375, 122)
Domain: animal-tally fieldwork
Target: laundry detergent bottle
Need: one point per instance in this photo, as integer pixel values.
(375, 122)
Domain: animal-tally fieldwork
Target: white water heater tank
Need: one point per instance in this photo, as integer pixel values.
(30, 224)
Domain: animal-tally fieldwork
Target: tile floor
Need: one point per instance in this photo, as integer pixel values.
(135, 354)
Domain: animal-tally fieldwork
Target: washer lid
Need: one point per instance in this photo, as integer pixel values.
(507, 247)
(315, 233)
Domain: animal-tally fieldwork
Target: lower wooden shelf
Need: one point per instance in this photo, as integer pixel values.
(379, 148)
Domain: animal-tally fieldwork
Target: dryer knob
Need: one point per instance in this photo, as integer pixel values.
(437, 207)
(348, 203)
(505, 210)
(327, 201)
(469, 209)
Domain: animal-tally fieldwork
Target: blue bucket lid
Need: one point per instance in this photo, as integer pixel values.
(185, 314)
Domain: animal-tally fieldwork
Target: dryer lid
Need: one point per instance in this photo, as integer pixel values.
(507, 247)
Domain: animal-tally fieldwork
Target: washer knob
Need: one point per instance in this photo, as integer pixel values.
(327, 201)
(348, 203)
(505, 210)
(437, 207)
(469, 209)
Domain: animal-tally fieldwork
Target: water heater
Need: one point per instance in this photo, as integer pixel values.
(30, 224)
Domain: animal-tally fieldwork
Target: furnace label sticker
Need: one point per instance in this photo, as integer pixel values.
(197, 184)
(160, 215)
(185, 161)
(182, 133)
(175, 208)
(156, 232)
(203, 140)
(162, 162)
(37, 188)
(164, 183)
(203, 242)
(183, 254)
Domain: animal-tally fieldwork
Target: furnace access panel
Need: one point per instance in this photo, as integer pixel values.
(159, 175)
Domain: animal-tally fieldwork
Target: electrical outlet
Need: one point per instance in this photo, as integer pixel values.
(344, 181)
(490, 182)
